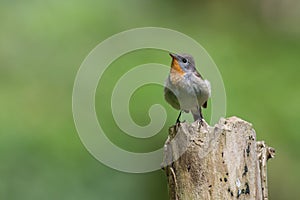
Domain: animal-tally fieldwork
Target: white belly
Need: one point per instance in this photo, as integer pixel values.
(191, 93)
(187, 99)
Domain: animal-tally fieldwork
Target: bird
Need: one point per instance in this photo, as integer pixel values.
(185, 89)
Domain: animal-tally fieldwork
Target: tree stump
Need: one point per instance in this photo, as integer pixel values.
(220, 162)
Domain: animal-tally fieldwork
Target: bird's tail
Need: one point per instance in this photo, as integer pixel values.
(197, 114)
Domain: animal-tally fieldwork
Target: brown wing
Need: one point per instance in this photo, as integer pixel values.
(197, 74)
(171, 98)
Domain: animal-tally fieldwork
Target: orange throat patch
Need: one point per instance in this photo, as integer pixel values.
(175, 66)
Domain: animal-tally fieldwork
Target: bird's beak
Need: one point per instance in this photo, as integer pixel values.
(173, 55)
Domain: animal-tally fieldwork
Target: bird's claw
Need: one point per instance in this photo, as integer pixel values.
(200, 123)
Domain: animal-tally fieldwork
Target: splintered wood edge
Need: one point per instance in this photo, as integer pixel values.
(264, 152)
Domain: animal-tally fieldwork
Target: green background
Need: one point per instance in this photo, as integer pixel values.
(256, 46)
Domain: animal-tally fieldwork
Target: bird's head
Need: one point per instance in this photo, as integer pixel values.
(182, 63)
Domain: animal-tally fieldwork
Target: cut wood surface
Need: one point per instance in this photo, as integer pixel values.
(220, 162)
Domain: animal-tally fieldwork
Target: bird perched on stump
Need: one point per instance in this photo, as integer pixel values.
(185, 89)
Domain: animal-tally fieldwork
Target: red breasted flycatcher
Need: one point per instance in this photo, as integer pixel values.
(185, 89)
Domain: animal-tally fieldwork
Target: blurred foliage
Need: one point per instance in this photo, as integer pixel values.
(256, 46)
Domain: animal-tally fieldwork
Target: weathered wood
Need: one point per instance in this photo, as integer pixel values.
(220, 162)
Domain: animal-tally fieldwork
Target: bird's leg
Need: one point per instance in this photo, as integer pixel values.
(178, 118)
(197, 114)
(201, 116)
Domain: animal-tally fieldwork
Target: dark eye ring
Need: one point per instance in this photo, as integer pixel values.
(184, 60)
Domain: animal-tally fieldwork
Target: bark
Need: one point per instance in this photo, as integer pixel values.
(220, 162)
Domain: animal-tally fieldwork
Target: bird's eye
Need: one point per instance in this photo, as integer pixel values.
(184, 60)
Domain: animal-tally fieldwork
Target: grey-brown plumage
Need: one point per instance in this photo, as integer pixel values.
(185, 89)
